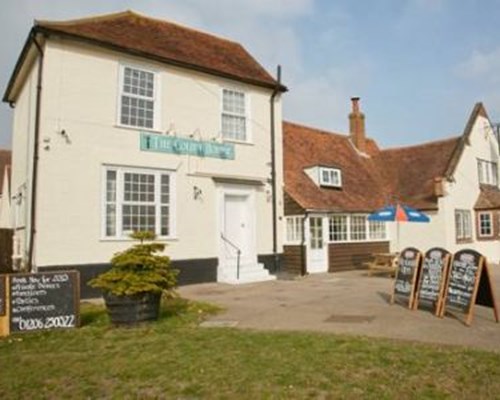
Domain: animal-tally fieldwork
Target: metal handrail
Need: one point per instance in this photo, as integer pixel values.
(238, 254)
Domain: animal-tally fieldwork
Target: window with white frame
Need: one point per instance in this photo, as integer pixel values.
(234, 115)
(352, 228)
(137, 98)
(487, 172)
(485, 224)
(358, 227)
(137, 200)
(294, 229)
(463, 225)
(338, 228)
(377, 230)
(330, 177)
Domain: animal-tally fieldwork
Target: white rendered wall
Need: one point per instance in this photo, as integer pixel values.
(423, 236)
(463, 193)
(460, 194)
(22, 158)
(80, 95)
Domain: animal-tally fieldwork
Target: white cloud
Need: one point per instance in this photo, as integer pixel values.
(481, 65)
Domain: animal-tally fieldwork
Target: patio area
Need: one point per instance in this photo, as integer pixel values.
(344, 303)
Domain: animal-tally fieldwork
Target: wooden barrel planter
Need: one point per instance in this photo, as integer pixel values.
(129, 310)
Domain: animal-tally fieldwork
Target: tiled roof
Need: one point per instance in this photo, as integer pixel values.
(403, 174)
(166, 41)
(410, 171)
(5, 160)
(478, 110)
(489, 198)
(363, 188)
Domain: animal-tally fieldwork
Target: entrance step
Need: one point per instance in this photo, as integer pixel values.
(248, 273)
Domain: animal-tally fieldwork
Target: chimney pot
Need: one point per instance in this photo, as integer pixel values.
(355, 104)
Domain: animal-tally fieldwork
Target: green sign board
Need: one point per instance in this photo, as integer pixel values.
(176, 145)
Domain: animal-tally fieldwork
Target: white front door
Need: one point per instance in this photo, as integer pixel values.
(237, 231)
(317, 260)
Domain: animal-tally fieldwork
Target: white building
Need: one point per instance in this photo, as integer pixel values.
(468, 195)
(334, 181)
(123, 122)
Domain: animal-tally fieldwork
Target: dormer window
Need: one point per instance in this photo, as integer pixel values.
(330, 177)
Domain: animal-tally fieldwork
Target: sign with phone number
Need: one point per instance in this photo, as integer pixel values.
(44, 301)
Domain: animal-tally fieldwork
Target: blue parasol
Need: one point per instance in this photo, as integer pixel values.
(398, 213)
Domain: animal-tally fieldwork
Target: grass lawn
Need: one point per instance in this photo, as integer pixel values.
(175, 358)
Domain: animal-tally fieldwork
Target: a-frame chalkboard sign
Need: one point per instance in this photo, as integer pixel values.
(469, 283)
(407, 275)
(432, 279)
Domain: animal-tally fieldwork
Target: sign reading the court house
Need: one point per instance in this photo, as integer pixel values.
(177, 145)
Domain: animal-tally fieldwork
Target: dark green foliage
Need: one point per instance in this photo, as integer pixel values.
(139, 269)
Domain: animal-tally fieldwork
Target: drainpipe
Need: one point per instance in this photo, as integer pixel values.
(303, 246)
(276, 90)
(34, 179)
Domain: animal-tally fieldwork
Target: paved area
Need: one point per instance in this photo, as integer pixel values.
(344, 303)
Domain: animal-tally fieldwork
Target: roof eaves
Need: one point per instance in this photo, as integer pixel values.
(17, 68)
(268, 85)
(464, 139)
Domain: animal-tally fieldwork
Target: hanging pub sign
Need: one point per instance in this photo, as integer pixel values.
(407, 275)
(469, 283)
(432, 279)
(179, 145)
(41, 301)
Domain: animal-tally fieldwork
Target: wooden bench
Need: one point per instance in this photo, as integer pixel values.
(382, 263)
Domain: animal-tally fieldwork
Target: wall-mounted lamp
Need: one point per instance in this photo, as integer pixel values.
(195, 133)
(197, 192)
(171, 130)
(65, 135)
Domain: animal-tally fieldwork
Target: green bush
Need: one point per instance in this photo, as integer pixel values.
(138, 269)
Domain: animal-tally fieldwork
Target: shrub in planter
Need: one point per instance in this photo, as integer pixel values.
(134, 285)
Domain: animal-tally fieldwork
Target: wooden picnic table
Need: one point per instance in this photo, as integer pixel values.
(383, 263)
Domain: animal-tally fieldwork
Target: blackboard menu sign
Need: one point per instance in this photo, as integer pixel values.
(469, 283)
(406, 275)
(3, 295)
(432, 278)
(44, 301)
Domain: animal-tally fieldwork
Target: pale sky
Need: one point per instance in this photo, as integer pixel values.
(418, 65)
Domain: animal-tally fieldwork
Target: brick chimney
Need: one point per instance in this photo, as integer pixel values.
(357, 126)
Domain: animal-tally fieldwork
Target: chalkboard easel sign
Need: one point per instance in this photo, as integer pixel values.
(49, 300)
(432, 279)
(469, 283)
(406, 275)
(3, 295)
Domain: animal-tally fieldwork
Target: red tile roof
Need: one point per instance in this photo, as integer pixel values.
(410, 171)
(166, 41)
(363, 187)
(402, 174)
(488, 199)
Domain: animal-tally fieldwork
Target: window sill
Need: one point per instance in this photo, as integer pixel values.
(138, 129)
(358, 241)
(234, 141)
(128, 239)
(487, 238)
(464, 241)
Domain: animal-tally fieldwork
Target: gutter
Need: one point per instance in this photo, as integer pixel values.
(276, 90)
(34, 177)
